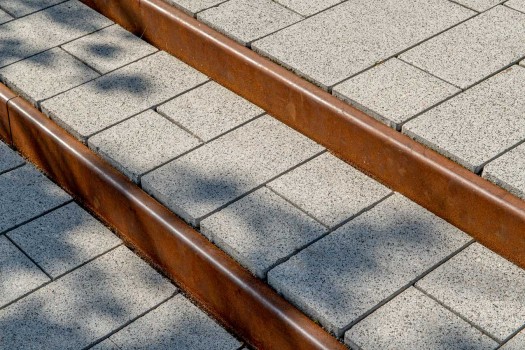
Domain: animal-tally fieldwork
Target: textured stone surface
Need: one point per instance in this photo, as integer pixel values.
(122, 93)
(261, 230)
(63, 239)
(482, 287)
(414, 321)
(508, 171)
(479, 5)
(46, 29)
(4, 17)
(9, 159)
(472, 51)
(516, 4)
(109, 48)
(46, 74)
(308, 7)
(477, 125)
(217, 173)
(209, 110)
(142, 143)
(394, 92)
(353, 36)
(194, 6)
(84, 305)
(350, 271)
(248, 20)
(329, 189)
(516, 343)
(106, 345)
(18, 274)
(26, 193)
(176, 324)
(20, 8)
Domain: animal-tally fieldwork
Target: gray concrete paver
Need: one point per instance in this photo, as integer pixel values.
(209, 110)
(109, 48)
(472, 51)
(348, 38)
(194, 6)
(261, 230)
(9, 159)
(210, 177)
(248, 20)
(508, 171)
(477, 125)
(21, 8)
(483, 287)
(63, 239)
(176, 324)
(515, 343)
(516, 4)
(4, 17)
(479, 5)
(344, 275)
(105, 345)
(329, 189)
(142, 143)
(414, 321)
(46, 74)
(394, 92)
(308, 7)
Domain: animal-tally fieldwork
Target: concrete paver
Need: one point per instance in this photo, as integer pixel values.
(248, 20)
(516, 343)
(308, 7)
(176, 324)
(142, 143)
(63, 239)
(210, 177)
(109, 48)
(261, 230)
(18, 274)
(122, 93)
(46, 29)
(105, 345)
(46, 74)
(344, 275)
(21, 8)
(414, 321)
(394, 92)
(4, 17)
(474, 50)
(194, 6)
(350, 37)
(477, 125)
(482, 287)
(507, 171)
(26, 193)
(516, 4)
(9, 159)
(209, 110)
(479, 5)
(329, 189)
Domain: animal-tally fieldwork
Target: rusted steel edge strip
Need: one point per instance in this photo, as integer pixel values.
(241, 302)
(488, 213)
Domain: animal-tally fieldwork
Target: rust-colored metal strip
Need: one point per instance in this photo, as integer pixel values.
(243, 303)
(5, 131)
(491, 215)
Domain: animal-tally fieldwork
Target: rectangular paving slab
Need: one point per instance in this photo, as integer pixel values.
(121, 94)
(481, 123)
(472, 51)
(348, 38)
(479, 5)
(4, 17)
(508, 171)
(207, 179)
(414, 321)
(308, 7)
(516, 343)
(516, 4)
(9, 159)
(348, 273)
(20, 8)
(194, 6)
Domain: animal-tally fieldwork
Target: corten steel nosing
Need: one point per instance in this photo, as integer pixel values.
(491, 215)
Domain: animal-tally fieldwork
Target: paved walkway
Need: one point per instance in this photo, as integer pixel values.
(372, 267)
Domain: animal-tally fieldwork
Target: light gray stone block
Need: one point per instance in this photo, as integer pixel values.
(349, 272)
(109, 48)
(46, 29)
(477, 125)
(9, 159)
(329, 189)
(248, 20)
(18, 274)
(350, 37)
(4, 17)
(394, 92)
(508, 171)
(176, 324)
(26, 193)
(85, 305)
(46, 74)
(207, 179)
(472, 51)
(308, 7)
(482, 287)
(63, 239)
(105, 345)
(414, 321)
(479, 5)
(516, 4)
(261, 230)
(516, 343)
(19, 8)
(209, 110)
(122, 93)
(142, 143)
(194, 6)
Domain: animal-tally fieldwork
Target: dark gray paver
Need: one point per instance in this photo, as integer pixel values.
(308, 7)
(344, 275)
(20, 8)
(508, 171)
(105, 345)
(9, 159)
(516, 343)
(261, 230)
(414, 321)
